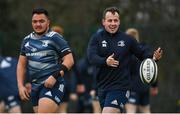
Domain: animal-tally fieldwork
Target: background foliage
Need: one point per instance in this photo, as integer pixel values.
(157, 21)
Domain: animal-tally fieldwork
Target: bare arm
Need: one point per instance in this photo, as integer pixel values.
(21, 72)
(68, 61)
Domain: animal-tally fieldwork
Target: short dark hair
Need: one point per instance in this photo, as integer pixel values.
(113, 10)
(40, 11)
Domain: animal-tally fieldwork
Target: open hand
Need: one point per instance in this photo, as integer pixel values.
(158, 54)
(110, 61)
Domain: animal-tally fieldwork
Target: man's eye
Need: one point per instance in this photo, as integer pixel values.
(115, 20)
(42, 21)
(34, 21)
(110, 20)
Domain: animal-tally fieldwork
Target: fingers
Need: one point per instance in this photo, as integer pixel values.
(24, 95)
(27, 95)
(115, 63)
(49, 83)
(159, 50)
(158, 54)
(111, 61)
(28, 86)
(112, 55)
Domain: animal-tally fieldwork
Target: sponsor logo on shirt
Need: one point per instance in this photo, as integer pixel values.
(44, 43)
(27, 45)
(37, 54)
(121, 43)
(104, 43)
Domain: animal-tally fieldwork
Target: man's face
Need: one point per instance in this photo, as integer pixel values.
(111, 22)
(40, 23)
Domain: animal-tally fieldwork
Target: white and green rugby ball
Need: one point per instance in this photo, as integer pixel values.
(148, 71)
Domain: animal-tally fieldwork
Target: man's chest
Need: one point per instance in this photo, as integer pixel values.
(32, 46)
(116, 46)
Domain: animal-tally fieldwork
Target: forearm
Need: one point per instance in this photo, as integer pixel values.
(21, 71)
(97, 60)
(94, 58)
(67, 64)
(93, 53)
(68, 61)
(20, 76)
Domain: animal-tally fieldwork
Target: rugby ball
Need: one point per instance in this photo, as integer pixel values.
(148, 71)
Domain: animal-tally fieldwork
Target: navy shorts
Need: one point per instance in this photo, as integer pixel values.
(55, 93)
(139, 98)
(11, 101)
(115, 98)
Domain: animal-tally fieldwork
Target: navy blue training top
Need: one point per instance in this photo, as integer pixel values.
(103, 44)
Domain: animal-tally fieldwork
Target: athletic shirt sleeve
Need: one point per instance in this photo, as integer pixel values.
(92, 52)
(62, 46)
(139, 51)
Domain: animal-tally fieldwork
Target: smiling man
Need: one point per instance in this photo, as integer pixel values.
(46, 56)
(110, 51)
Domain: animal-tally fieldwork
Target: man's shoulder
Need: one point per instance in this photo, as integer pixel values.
(28, 36)
(124, 35)
(144, 44)
(50, 34)
(98, 34)
(54, 35)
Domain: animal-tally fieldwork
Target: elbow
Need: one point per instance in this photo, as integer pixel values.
(90, 58)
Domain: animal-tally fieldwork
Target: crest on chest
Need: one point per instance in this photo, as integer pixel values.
(120, 43)
(104, 43)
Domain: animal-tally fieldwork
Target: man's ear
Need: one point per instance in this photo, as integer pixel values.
(48, 22)
(103, 20)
